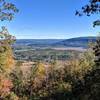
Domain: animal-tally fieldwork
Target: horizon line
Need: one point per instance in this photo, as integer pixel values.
(58, 38)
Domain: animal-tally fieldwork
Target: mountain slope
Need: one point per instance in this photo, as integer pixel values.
(73, 42)
(76, 42)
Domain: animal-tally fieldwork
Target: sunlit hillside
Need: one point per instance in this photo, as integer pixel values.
(49, 50)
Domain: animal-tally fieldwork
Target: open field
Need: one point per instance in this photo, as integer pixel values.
(47, 54)
(71, 48)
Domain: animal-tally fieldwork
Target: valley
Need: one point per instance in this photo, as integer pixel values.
(50, 49)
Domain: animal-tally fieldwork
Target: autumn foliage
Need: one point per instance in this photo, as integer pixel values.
(77, 79)
(47, 81)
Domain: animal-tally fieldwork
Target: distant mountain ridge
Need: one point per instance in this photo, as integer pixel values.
(76, 42)
(73, 42)
(37, 41)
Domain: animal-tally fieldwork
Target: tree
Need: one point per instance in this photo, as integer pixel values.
(6, 55)
(93, 7)
(97, 52)
(89, 88)
(7, 10)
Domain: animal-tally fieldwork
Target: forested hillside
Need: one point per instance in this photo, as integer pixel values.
(73, 42)
(48, 69)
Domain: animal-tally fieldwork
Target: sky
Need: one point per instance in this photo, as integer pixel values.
(50, 19)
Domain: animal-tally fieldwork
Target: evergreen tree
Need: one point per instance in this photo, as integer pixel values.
(93, 7)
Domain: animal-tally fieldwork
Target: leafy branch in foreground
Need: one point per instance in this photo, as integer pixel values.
(7, 10)
(93, 7)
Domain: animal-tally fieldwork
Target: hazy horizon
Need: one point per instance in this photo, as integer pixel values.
(50, 19)
(57, 38)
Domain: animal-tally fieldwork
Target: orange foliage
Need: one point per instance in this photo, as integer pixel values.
(5, 86)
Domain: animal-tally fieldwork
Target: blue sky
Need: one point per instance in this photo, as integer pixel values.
(53, 19)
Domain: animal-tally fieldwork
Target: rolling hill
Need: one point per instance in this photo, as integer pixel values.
(73, 42)
(76, 42)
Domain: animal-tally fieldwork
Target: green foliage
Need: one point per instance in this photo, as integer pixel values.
(6, 55)
(6, 63)
(96, 23)
(89, 88)
(7, 10)
(93, 7)
(78, 79)
(12, 96)
(50, 82)
(96, 49)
